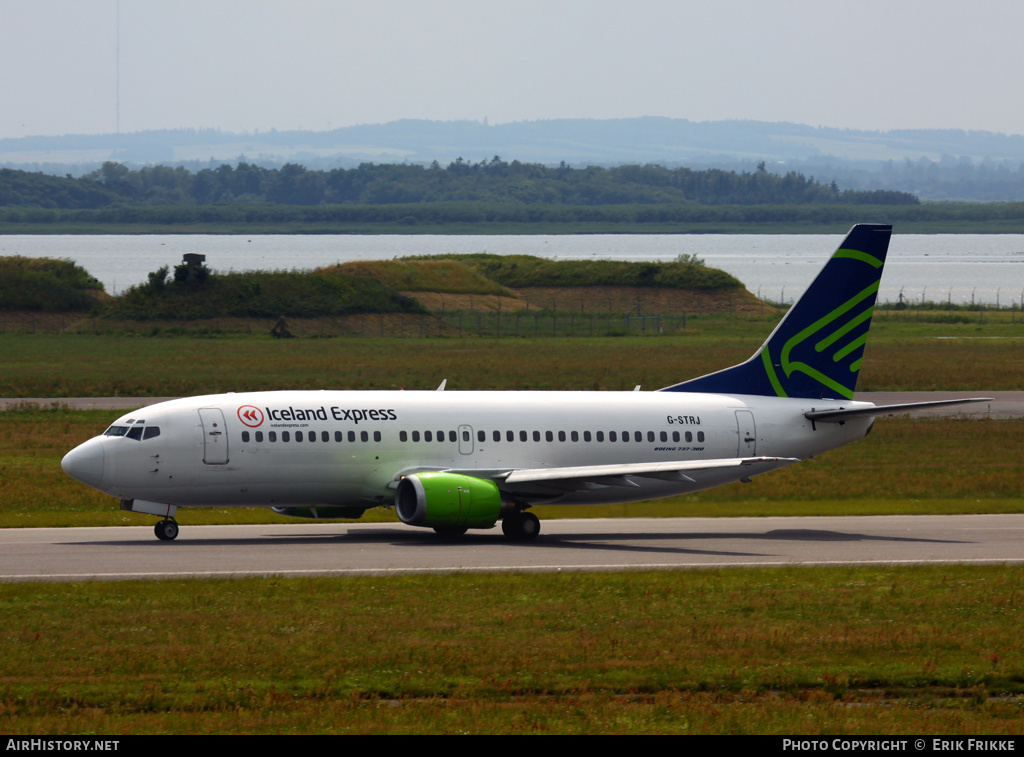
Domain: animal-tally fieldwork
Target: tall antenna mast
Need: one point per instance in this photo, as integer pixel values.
(117, 66)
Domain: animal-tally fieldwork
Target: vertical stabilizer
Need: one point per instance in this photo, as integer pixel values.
(816, 349)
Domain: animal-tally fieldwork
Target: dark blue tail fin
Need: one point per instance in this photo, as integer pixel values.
(816, 350)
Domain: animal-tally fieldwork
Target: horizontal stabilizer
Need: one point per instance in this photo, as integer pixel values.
(835, 416)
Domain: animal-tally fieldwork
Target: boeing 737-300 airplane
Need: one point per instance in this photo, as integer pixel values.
(454, 460)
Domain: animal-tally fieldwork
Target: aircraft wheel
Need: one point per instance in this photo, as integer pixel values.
(521, 526)
(166, 530)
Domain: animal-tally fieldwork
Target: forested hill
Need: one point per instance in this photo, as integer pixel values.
(38, 190)
(492, 180)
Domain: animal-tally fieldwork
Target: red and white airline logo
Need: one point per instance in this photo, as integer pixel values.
(250, 415)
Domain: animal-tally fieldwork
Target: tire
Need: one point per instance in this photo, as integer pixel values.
(166, 530)
(521, 526)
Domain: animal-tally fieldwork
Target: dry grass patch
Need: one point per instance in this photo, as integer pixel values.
(621, 299)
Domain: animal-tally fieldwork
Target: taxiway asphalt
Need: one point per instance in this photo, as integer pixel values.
(315, 549)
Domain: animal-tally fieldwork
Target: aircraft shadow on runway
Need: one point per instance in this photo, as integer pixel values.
(607, 541)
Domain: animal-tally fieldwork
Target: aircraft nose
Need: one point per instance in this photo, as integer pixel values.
(85, 463)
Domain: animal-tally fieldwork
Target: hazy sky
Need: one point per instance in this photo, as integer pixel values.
(243, 65)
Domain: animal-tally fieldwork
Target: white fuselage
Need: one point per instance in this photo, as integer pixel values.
(348, 448)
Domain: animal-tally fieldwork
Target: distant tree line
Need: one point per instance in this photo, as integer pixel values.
(948, 178)
(492, 181)
(1005, 217)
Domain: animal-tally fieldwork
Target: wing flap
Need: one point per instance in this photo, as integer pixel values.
(619, 475)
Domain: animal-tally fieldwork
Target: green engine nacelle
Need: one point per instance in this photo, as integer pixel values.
(447, 500)
(320, 513)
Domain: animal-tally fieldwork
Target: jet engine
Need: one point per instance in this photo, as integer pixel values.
(447, 501)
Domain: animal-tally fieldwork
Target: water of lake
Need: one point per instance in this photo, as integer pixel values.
(986, 268)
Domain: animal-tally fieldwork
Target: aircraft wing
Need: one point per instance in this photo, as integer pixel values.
(621, 475)
(590, 477)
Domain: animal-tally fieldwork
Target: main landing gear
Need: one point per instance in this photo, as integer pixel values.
(520, 526)
(166, 530)
(517, 526)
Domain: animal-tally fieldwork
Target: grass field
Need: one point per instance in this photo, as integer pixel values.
(786, 651)
(913, 650)
(904, 353)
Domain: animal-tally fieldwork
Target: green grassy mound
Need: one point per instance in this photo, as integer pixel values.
(46, 284)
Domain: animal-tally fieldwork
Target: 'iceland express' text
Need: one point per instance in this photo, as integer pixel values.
(337, 413)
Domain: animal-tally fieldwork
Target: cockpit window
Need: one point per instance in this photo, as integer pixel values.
(133, 432)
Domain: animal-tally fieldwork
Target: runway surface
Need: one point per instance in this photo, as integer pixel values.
(313, 549)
